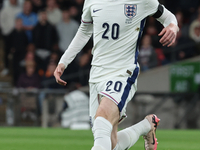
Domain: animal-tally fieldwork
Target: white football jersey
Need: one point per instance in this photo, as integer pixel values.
(117, 29)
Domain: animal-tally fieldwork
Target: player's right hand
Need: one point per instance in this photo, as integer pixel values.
(58, 72)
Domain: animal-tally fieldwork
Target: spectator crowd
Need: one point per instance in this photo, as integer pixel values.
(36, 33)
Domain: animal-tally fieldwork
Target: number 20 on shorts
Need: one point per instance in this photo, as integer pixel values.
(117, 86)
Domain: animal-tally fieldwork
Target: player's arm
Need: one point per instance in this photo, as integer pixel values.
(81, 38)
(167, 19)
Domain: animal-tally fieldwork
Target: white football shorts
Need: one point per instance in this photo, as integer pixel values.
(119, 89)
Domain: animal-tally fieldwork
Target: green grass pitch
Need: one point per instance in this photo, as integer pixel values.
(65, 139)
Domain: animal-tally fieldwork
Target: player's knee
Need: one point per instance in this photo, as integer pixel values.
(108, 110)
(112, 118)
(101, 112)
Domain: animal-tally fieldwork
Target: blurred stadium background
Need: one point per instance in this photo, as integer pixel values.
(34, 35)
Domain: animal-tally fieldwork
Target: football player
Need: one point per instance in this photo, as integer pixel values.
(117, 27)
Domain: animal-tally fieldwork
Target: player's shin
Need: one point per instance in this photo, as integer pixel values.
(102, 129)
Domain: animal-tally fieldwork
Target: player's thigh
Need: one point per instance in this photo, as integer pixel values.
(109, 110)
(120, 91)
(116, 90)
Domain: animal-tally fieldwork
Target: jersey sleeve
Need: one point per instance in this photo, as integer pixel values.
(81, 38)
(86, 16)
(158, 11)
(151, 7)
(167, 17)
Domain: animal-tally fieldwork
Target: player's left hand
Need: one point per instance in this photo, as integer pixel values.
(168, 35)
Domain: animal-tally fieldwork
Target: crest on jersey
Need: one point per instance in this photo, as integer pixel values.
(130, 10)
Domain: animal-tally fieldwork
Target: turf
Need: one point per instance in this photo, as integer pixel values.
(64, 139)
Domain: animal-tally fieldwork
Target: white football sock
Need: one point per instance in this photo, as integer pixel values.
(97, 148)
(129, 136)
(117, 147)
(102, 134)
